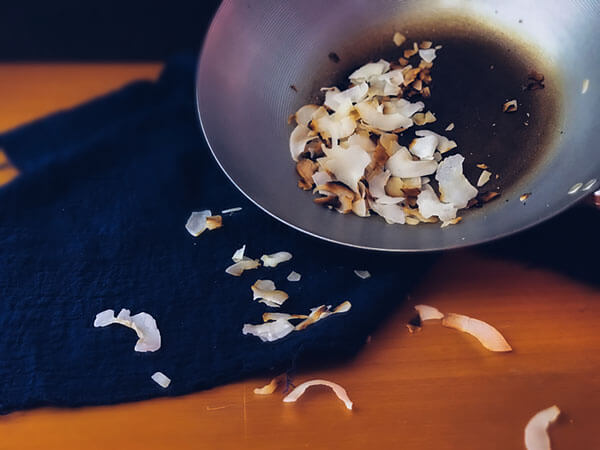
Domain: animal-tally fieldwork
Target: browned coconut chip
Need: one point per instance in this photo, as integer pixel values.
(425, 44)
(451, 222)
(426, 93)
(489, 196)
(214, 222)
(510, 106)
(489, 336)
(482, 166)
(321, 312)
(525, 196)
(403, 61)
(427, 312)
(271, 387)
(299, 390)
(411, 52)
(344, 196)
(535, 81)
(536, 431)
(399, 38)
(265, 292)
(306, 169)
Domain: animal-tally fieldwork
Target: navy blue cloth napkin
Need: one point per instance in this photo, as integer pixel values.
(96, 221)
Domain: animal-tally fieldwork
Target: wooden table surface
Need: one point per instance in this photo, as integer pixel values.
(435, 389)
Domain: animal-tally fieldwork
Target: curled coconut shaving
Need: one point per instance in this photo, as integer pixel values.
(265, 292)
(454, 186)
(489, 337)
(536, 431)
(364, 274)
(427, 312)
(142, 323)
(339, 391)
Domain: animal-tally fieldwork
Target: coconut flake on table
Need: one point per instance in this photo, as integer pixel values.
(299, 138)
(370, 114)
(444, 144)
(489, 336)
(347, 165)
(430, 205)
(265, 292)
(536, 431)
(244, 264)
(294, 276)
(401, 165)
(424, 147)
(269, 331)
(427, 55)
(321, 312)
(142, 323)
(161, 379)
(454, 186)
(197, 222)
(339, 391)
(274, 259)
(484, 178)
(369, 70)
(269, 388)
(364, 274)
(427, 312)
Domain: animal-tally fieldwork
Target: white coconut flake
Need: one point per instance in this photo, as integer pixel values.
(299, 390)
(335, 126)
(364, 274)
(429, 205)
(450, 127)
(298, 140)
(484, 178)
(536, 431)
(427, 312)
(231, 210)
(239, 267)
(427, 55)
(239, 254)
(347, 165)
(454, 186)
(142, 323)
(266, 292)
(196, 223)
(294, 276)
(342, 101)
(403, 107)
(489, 336)
(305, 114)
(377, 184)
(424, 147)
(368, 70)
(321, 177)
(370, 114)
(402, 165)
(391, 213)
(585, 86)
(444, 144)
(161, 379)
(269, 331)
(276, 258)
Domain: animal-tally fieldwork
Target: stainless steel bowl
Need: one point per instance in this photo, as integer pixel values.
(255, 50)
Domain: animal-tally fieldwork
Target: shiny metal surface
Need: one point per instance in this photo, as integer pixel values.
(255, 50)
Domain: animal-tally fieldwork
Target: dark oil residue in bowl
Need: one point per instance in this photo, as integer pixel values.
(475, 73)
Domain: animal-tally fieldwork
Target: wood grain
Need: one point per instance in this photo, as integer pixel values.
(435, 389)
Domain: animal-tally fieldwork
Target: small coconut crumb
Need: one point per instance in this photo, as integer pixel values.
(161, 379)
(231, 210)
(197, 222)
(294, 276)
(214, 222)
(484, 178)
(299, 390)
(482, 166)
(585, 86)
(510, 106)
(525, 196)
(364, 274)
(399, 38)
(450, 127)
(275, 259)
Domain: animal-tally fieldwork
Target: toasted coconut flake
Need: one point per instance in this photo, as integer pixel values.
(321, 312)
(489, 196)
(484, 178)
(304, 115)
(525, 196)
(161, 379)
(427, 55)
(368, 70)
(427, 312)
(399, 38)
(536, 431)
(298, 140)
(489, 337)
(347, 165)
(429, 205)
(402, 106)
(306, 169)
(424, 147)
(450, 127)
(384, 122)
(345, 196)
(454, 186)
(426, 92)
(239, 254)
(196, 223)
(342, 102)
(444, 144)
(391, 213)
(360, 208)
(400, 164)
(334, 126)
(268, 389)
(276, 258)
(231, 210)
(377, 184)
(265, 292)
(294, 276)
(214, 222)
(482, 166)
(269, 331)
(585, 86)
(299, 390)
(411, 52)
(510, 106)
(142, 323)
(282, 316)
(451, 222)
(239, 267)
(364, 274)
